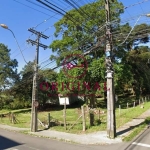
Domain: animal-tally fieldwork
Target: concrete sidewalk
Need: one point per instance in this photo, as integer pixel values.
(90, 138)
(126, 129)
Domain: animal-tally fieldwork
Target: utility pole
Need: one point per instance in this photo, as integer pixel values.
(111, 119)
(35, 103)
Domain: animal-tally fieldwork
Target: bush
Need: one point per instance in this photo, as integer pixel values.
(147, 120)
(18, 104)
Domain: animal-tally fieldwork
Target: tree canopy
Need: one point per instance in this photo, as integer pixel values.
(84, 29)
(8, 68)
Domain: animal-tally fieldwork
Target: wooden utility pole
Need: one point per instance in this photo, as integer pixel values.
(34, 124)
(111, 120)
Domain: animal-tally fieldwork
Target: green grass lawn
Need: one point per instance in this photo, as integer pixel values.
(72, 114)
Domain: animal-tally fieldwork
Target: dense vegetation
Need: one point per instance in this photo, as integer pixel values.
(130, 56)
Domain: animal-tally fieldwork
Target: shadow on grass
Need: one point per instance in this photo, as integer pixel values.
(6, 143)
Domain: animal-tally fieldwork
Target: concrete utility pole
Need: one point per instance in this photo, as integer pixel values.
(34, 122)
(111, 119)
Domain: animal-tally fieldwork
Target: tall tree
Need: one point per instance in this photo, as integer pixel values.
(8, 68)
(83, 29)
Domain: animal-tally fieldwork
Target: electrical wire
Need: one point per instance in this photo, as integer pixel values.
(81, 12)
(37, 4)
(70, 17)
(127, 35)
(135, 23)
(136, 4)
(104, 26)
(126, 7)
(142, 9)
(31, 7)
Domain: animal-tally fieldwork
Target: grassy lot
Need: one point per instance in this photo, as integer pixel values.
(72, 114)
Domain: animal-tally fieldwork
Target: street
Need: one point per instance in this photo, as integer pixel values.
(10, 140)
(140, 143)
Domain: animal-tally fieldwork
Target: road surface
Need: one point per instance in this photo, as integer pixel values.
(142, 142)
(10, 140)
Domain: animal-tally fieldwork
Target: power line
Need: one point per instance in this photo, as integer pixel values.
(136, 4)
(49, 18)
(69, 16)
(31, 7)
(47, 64)
(78, 8)
(142, 9)
(120, 33)
(130, 32)
(47, 28)
(104, 26)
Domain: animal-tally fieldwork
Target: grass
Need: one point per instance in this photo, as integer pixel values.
(127, 114)
(72, 114)
(137, 130)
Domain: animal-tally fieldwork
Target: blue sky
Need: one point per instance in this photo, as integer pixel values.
(19, 18)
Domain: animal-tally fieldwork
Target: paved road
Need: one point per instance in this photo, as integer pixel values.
(10, 140)
(140, 143)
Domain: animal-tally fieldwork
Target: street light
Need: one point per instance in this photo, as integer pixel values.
(6, 27)
(3, 26)
(147, 15)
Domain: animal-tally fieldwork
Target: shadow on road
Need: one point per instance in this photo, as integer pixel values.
(7, 143)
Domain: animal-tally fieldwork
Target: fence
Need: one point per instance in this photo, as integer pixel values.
(88, 117)
(126, 111)
(12, 117)
(81, 119)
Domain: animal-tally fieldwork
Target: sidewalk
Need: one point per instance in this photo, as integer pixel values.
(99, 137)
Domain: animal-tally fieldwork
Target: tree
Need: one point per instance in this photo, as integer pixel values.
(133, 57)
(138, 59)
(81, 32)
(46, 92)
(86, 31)
(8, 70)
(22, 89)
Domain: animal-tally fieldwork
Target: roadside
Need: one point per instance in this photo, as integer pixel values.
(99, 137)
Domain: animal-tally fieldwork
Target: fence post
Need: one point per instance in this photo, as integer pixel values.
(119, 110)
(83, 118)
(99, 114)
(48, 120)
(134, 104)
(139, 102)
(87, 109)
(65, 115)
(12, 118)
(145, 99)
(127, 105)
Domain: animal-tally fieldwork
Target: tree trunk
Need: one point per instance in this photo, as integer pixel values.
(92, 101)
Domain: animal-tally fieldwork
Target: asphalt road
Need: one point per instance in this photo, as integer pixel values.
(142, 142)
(10, 140)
